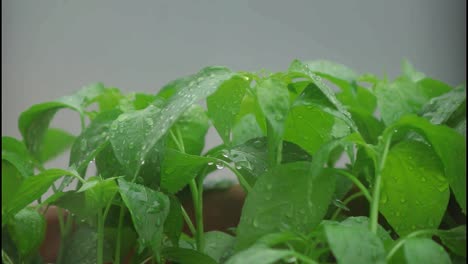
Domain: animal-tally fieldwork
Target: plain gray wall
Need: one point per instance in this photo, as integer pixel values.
(51, 48)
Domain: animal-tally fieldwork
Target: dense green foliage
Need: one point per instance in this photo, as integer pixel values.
(283, 134)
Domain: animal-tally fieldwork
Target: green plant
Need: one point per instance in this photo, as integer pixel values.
(283, 134)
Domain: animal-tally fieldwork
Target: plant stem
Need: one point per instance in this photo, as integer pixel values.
(401, 241)
(188, 221)
(374, 211)
(356, 182)
(198, 215)
(241, 178)
(5, 258)
(119, 233)
(100, 238)
(197, 195)
(346, 201)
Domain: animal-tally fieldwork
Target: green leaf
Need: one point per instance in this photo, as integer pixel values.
(299, 67)
(186, 256)
(27, 229)
(224, 105)
(286, 198)
(193, 125)
(424, 250)
(109, 99)
(251, 157)
(56, 141)
(20, 163)
(369, 127)
(149, 210)
(454, 239)
(34, 122)
(449, 145)
(217, 244)
(410, 72)
(92, 140)
(413, 175)
(352, 242)
(174, 221)
(11, 177)
(259, 255)
(81, 247)
(332, 69)
(138, 101)
(351, 95)
(178, 169)
(245, 129)
(357, 97)
(403, 97)
(310, 127)
(273, 98)
(13, 145)
(98, 192)
(33, 187)
(135, 134)
(439, 109)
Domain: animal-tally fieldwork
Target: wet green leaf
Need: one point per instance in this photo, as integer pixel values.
(217, 244)
(56, 141)
(178, 169)
(439, 109)
(133, 135)
(224, 105)
(286, 198)
(34, 122)
(413, 175)
(33, 187)
(27, 229)
(92, 140)
(149, 209)
(273, 98)
(193, 125)
(402, 97)
(449, 145)
(352, 242)
(424, 250)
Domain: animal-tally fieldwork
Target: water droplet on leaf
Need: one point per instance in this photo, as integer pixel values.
(219, 165)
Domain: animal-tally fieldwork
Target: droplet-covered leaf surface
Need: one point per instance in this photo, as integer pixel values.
(149, 209)
(286, 198)
(425, 250)
(352, 242)
(415, 192)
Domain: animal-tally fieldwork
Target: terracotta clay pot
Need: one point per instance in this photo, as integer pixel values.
(221, 210)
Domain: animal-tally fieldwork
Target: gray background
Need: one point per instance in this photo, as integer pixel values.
(51, 48)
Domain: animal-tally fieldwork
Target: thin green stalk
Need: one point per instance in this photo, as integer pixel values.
(346, 201)
(374, 211)
(119, 233)
(100, 238)
(64, 232)
(196, 195)
(198, 215)
(188, 221)
(401, 241)
(243, 182)
(83, 122)
(356, 182)
(274, 151)
(5, 258)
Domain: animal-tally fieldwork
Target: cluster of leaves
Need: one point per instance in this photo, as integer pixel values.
(283, 134)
